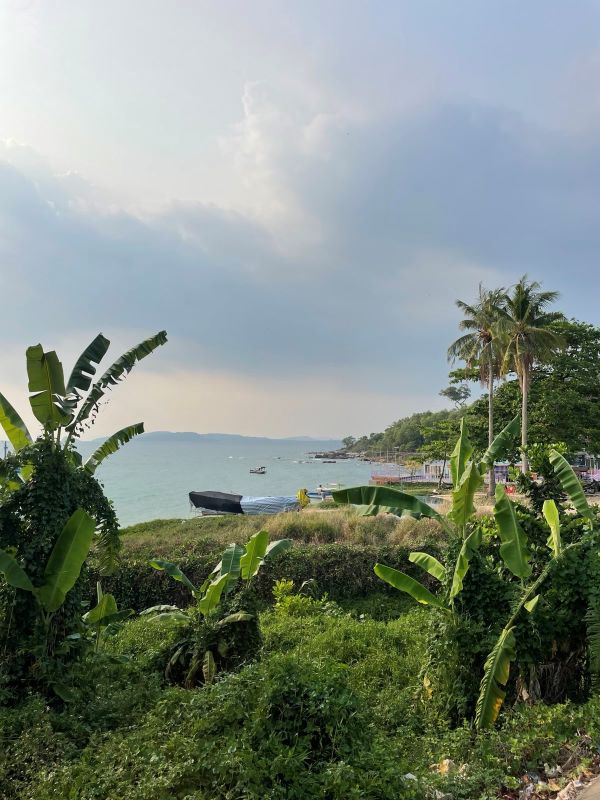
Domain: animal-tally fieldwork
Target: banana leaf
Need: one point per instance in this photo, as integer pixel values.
(113, 375)
(13, 572)
(501, 444)
(429, 564)
(66, 559)
(514, 542)
(470, 546)
(230, 564)
(14, 427)
(278, 546)
(255, 551)
(550, 512)
(385, 496)
(106, 607)
(570, 484)
(209, 668)
(531, 604)
(84, 369)
(173, 571)
(213, 594)
(463, 506)
(495, 676)
(112, 444)
(47, 385)
(399, 580)
(463, 450)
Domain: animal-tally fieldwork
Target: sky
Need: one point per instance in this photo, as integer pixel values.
(297, 191)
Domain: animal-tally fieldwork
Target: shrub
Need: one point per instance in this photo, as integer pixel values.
(284, 728)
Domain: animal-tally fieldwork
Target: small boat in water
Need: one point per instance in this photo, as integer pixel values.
(328, 461)
(258, 471)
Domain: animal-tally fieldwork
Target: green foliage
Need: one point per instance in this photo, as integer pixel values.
(112, 444)
(496, 672)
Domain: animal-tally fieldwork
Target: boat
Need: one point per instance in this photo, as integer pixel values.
(328, 461)
(258, 471)
(224, 503)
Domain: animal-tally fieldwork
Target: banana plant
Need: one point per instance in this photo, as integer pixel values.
(237, 562)
(62, 568)
(104, 619)
(200, 654)
(59, 405)
(514, 552)
(467, 478)
(71, 405)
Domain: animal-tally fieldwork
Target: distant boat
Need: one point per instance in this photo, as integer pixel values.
(328, 461)
(258, 471)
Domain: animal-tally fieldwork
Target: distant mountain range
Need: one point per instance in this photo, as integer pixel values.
(190, 436)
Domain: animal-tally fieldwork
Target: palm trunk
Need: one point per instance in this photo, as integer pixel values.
(524, 418)
(492, 477)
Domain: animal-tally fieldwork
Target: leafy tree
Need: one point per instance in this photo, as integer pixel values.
(481, 346)
(41, 485)
(457, 394)
(564, 394)
(529, 339)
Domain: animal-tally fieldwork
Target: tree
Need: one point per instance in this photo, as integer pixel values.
(42, 484)
(564, 395)
(481, 346)
(528, 339)
(457, 394)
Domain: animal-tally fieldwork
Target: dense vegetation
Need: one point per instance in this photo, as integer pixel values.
(564, 404)
(384, 648)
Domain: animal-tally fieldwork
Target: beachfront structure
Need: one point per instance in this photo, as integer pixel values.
(433, 471)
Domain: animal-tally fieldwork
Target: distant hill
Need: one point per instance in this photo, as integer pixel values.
(190, 436)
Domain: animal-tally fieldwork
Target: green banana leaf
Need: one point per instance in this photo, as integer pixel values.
(278, 546)
(531, 604)
(399, 580)
(112, 444)
(66, 559)
(209, 668)
(373, 511)
(550, 512)
(213, 594)
(14, 427)
(514, 542)
(385, 496)
(230, 619)
(13, 572)
(470, 546)
(113, 375)
(463, 506)
(47, 385)
(501, 444)
(107, 607)
(84, 369)
(230, 564)
(495, 676)
(173, 571)
(463, 450)
(429, 564)
(255, 551)
(570, 484)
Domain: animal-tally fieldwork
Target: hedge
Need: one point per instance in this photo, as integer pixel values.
(343, 571)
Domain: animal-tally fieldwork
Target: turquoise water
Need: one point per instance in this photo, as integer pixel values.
(151, 478)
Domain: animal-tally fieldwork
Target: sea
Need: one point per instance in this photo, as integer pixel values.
(151, 476)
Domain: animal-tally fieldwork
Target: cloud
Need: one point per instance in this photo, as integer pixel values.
(341, 261)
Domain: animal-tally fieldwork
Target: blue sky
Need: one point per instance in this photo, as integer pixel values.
(296, 191)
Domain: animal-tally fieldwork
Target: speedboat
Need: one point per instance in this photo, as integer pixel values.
(258, 471)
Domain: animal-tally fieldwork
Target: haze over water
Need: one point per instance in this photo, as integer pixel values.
(151, 477)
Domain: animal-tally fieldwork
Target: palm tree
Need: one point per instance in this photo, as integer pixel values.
(481, 346)
(528, 339)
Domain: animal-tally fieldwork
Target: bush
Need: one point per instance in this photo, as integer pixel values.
(285, 728)
(341, 570)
